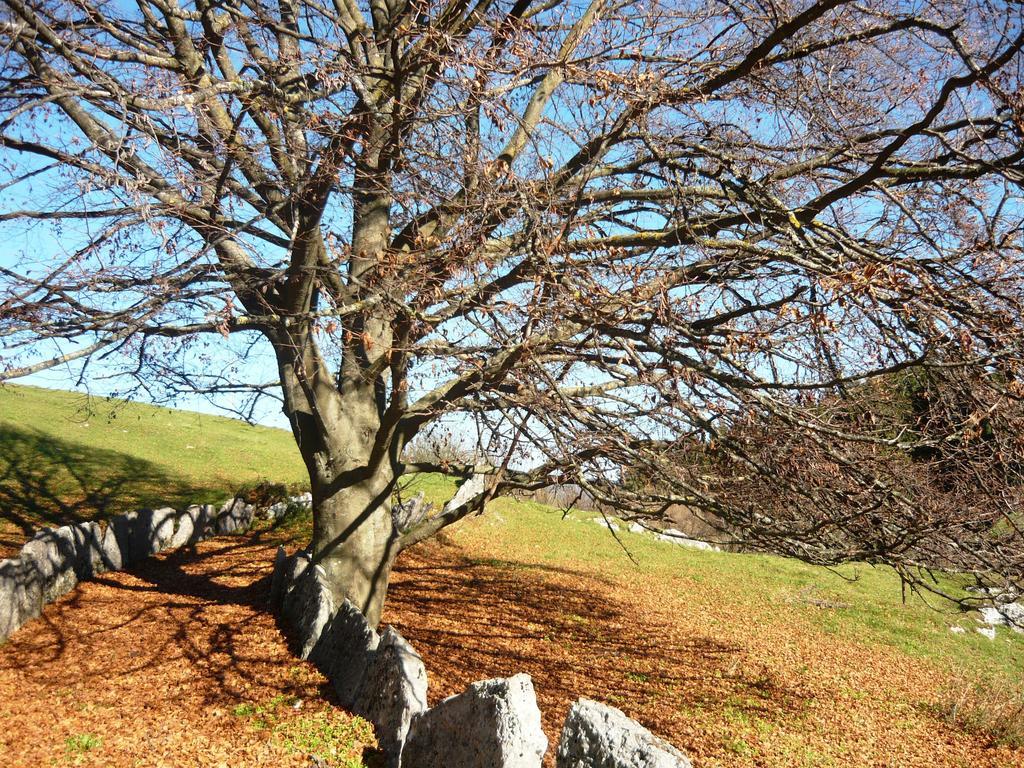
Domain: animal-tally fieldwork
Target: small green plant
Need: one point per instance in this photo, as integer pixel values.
(739, 747)
(334, 738)
(76, 746)
(330, 736)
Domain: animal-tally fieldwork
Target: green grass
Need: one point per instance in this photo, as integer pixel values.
(65, 456)
(335, 738)
(62, 456)
(76, 746)
(868, 602)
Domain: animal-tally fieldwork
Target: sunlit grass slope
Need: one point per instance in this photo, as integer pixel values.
(66, 456)
(852, 601)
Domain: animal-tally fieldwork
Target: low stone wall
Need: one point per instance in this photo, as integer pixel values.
(492, 724)
(53, 561)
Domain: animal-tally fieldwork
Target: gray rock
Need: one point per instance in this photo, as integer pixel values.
(110, 550)
(672, 536)
(1010, 614)
(160, 525)
(307, 607)
(991, 615)
(276, 511)
(468, 491)
(143, 533)
(203, 519)
(184, 528)
(89, 556)
(410, 513)
(393, 690)
(51, 555)
(493, 724)
(1013, 615)
(233, 517)
(21, 595)
(598, 736)
(345, 649)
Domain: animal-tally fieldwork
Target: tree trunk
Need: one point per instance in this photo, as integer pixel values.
(354, 542)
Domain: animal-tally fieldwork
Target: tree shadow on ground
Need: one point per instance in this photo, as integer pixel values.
(45, 481)
(192, 628)
(577, 635)
(185, 634)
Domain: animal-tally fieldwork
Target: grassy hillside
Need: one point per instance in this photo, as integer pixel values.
(852, 601)
(65, 456)
(795, 633)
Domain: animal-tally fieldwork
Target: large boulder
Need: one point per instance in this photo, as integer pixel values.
(51, 555)
(345, 648)
(493, 724)
(89, 554)
(184, 528)
(142, 534)
(598, 736)
(394, 689)
(233, 517)
(307, 606)
(21, 594)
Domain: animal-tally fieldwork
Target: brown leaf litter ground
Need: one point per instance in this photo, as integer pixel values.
(162, 666)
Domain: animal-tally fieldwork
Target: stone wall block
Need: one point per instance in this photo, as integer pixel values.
(493, 724)
(345, 649)
(21, 595)
(51, 555)
(598, 736)
(307, 608)
(392, 691)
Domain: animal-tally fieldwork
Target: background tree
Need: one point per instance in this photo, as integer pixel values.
(596, 230)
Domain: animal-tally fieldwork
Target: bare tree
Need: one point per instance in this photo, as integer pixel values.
(604, 232)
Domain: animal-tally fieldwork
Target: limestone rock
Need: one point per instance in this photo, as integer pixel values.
(184, 528)
(345, 648)
(159, 525)
(992, 616)
(21, 595)
(202, 522)
(89, 554)
(306, 608)
(410, 513)
(598, 736)
(1013, 613)
(468, 491)
(672, 536)
(394, 689)
(234, 516)
(110, 550)
(143, 533)
(276, 511)
(493, 724)
(50, 556)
